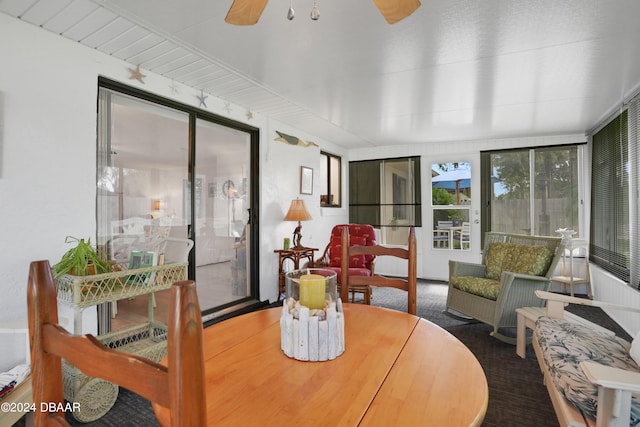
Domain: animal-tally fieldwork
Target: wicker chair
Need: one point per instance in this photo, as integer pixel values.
(513, 268)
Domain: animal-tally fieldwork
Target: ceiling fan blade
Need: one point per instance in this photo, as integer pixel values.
(396, 10)
(245, 12)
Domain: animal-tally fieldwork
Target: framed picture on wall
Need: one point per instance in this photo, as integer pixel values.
(306, 180)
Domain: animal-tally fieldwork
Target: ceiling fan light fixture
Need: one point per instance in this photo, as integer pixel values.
(315, 11)
(247, 12)
(396, 10)
(291, 13)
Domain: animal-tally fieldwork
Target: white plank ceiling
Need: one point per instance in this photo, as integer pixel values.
(454, 70)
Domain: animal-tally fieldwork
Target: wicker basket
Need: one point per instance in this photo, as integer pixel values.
(87, 291)
(96, 396)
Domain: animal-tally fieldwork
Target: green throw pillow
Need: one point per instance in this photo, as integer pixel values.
(500, 255)
(517, 258)
(533, 260)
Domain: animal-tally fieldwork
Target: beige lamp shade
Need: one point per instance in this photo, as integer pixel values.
(297, 212)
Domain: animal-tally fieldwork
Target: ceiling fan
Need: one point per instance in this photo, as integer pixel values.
(247, 12)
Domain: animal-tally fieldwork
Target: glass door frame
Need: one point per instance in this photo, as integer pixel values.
(486, 184)
(254, 182)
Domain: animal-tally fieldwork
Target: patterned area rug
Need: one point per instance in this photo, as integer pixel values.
(130, 410)
(431, 301)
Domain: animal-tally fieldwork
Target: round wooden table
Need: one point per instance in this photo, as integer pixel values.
(397, 369)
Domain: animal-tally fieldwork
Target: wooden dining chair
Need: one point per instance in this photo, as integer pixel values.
(331, 259)
(409, 284)
(178, 386)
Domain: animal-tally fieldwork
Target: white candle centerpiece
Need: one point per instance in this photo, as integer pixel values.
(312, 321)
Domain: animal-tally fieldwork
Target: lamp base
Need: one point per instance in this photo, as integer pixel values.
(297, 236)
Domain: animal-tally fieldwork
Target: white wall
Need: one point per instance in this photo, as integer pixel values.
(279, 185)
(48, 97)
(47, 174)
(609, 288)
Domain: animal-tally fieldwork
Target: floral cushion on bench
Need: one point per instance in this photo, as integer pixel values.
(564, 345)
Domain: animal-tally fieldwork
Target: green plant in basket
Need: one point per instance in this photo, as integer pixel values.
(82, 260)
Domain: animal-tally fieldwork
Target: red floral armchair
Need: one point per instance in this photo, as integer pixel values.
(359, 265)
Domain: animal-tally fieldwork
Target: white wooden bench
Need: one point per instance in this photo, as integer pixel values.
(614, 385)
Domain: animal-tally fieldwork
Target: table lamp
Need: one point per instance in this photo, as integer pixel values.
(297, 212)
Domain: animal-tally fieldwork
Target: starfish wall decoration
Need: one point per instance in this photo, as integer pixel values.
(202, 99)
(136, 74)
(173, 87)
(249, 115)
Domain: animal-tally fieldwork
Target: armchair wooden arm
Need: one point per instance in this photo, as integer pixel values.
(557, 302)
(609, 377)
(615, 387)
(323, 261)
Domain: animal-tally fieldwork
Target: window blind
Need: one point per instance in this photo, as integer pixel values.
(634, 163)
(610, 238)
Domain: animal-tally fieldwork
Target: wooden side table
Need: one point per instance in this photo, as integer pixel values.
(294, 255)
(568, 276)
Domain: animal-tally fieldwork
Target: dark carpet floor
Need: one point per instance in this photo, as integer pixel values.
(517, 397)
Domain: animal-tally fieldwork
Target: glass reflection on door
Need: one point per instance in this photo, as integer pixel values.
(222, 203)
(143, 158)
(145, 196)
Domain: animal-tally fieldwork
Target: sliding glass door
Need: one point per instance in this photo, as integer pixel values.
(531, 191)
(222, 167)
(167, 171)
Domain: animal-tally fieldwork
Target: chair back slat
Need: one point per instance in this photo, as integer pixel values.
(409, 284)
(77, 348)
(178, 386)
(381, 281)
(378, 250)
